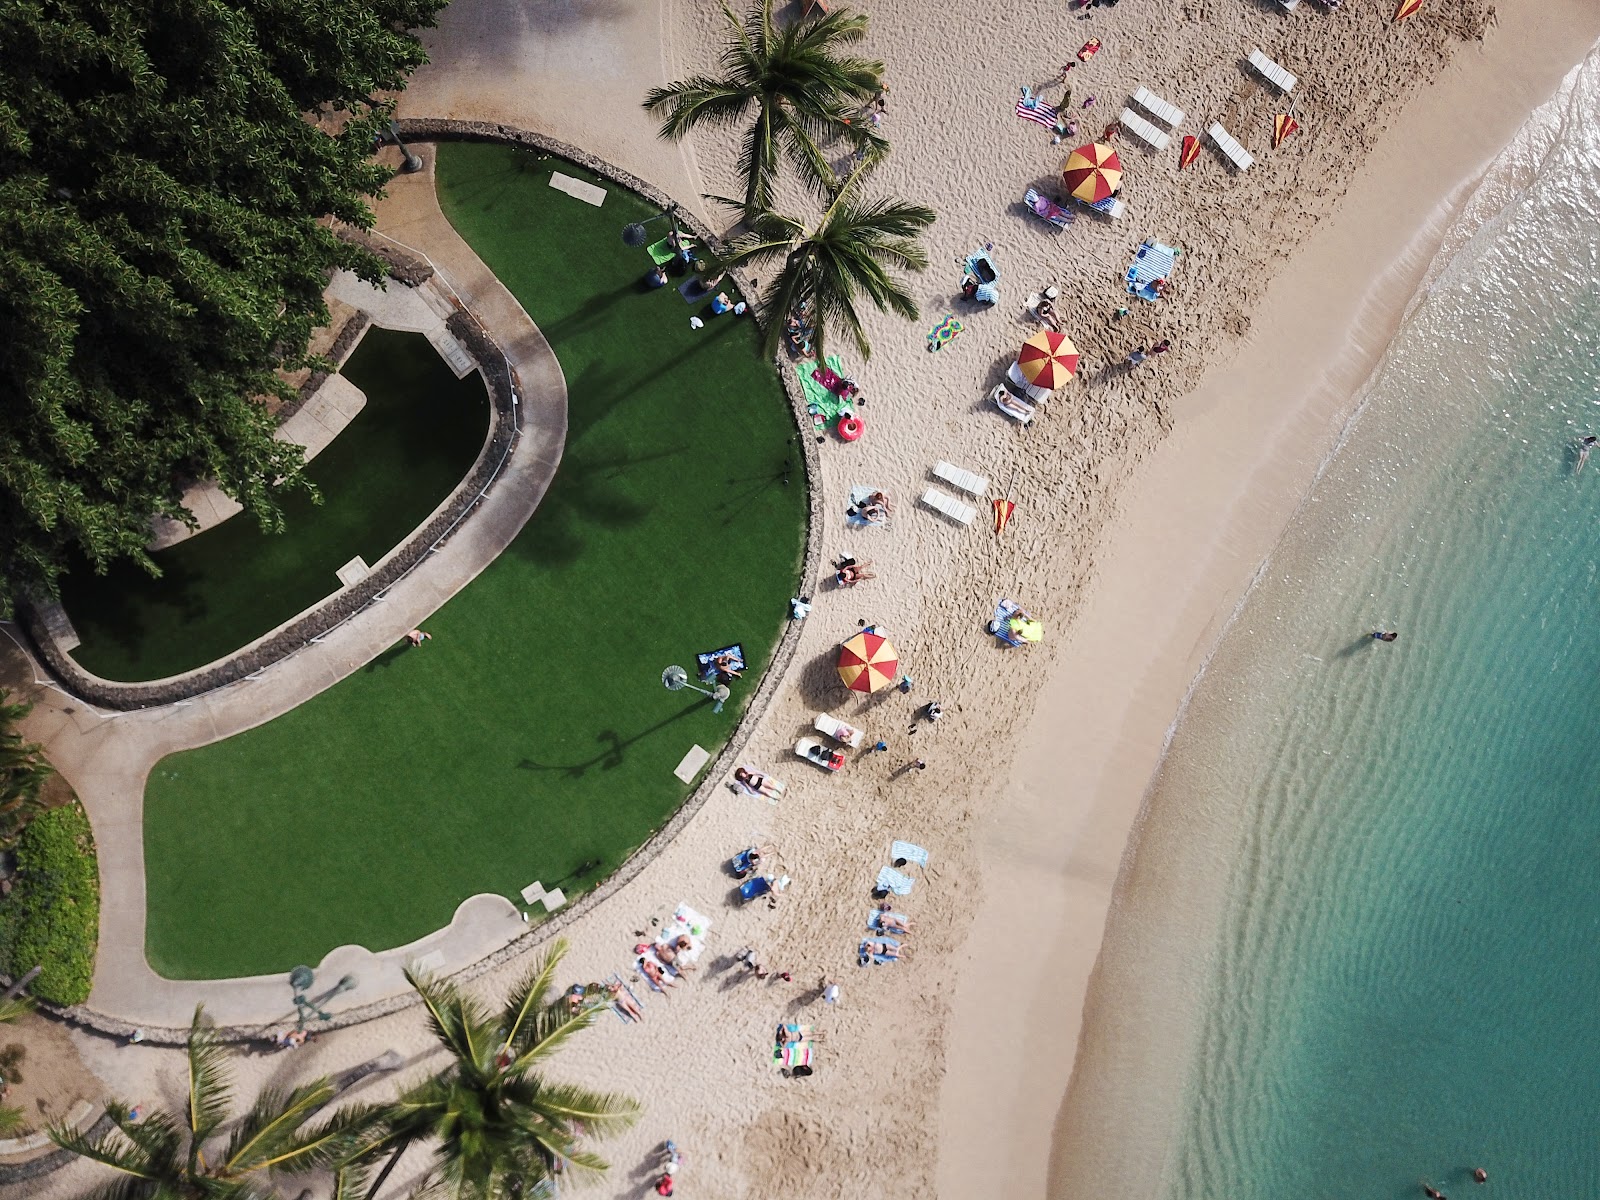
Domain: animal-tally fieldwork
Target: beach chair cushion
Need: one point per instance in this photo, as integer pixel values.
(943, 502)
(967, 481)
(1169, 114)
(1276, 75)
(1229, 145)
(1143, 130)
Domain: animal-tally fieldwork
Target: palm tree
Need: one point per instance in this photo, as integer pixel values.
(165, 1157)
(23, 771)
(502, 1129)
(805, 93)
(848, 254)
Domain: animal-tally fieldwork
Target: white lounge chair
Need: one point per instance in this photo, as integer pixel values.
(1110, 206)
(977, 485)
(944, 502)
(1169, 114)
(1272, 72)
(1289, 5)
(1142, 129)
(1011, 404)
(1229, 145)
(849, 735)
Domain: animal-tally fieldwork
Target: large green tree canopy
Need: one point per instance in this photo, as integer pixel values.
(165, 168)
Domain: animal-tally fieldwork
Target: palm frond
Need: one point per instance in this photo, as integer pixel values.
(531, 995)
(268, 1137)
(567, 1103)
(11, 1009)
(457, 1022)
(12, 1120)
(699, 100)
(548, 1030)
(209, 1080)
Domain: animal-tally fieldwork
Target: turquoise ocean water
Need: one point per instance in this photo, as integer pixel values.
(1404, 980)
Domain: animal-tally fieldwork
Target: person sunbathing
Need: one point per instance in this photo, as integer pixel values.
(624, 1001)
(789, 1034)
(720, 303)
(881, 948)
(657, 278)
(669, 952)
(890, 922)
(853, 573)
(756, 782)
(656, 975)
(575, 997)
(728, 668)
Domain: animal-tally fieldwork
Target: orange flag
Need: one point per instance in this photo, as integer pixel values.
(1405, 8)
(1282, 126)
(1190, 151)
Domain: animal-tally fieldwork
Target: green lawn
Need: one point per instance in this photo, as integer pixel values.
(415, 440)
(531, 739)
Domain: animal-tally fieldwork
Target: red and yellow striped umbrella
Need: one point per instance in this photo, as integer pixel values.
(1092, 172)
(868, 663)
(1282, 126)
(1405, 8)
(1190, 151)
(1047, 360)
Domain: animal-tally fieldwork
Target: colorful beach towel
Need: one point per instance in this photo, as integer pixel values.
(945, 332)
(1038, 112)
(1153, 261)
(825, 405)
(661, 253)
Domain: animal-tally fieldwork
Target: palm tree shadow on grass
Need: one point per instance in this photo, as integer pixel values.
(616, 745)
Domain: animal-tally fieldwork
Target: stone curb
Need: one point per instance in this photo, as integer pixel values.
(711, 782)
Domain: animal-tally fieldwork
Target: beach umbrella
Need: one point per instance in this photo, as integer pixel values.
(1092, 172)
(1282, 126)
(1405, 8)
(1190, 151)
(1047, 360)
(868, 663)
(1002, 514)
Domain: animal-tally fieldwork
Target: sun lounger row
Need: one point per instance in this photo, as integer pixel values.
(967, 481)
(1271, 71)
(1142, 129)
(1237, 154)
(1170, 114)
(944, 502)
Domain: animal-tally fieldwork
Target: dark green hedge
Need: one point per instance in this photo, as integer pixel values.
(52, 917)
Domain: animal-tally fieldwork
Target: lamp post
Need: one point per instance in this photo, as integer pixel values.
(412, 163)
(675, 679)
(301, 980)
(635, 234)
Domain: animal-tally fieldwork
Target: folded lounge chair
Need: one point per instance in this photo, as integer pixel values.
(1169, 114)
(1229, 145)
(944, 502)
(1271, 71)
(1143, 130)
(967, 481)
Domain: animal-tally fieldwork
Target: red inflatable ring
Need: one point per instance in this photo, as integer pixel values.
(851, 427)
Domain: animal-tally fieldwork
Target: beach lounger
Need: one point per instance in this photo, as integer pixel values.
(1168, 114)
(898, 882)
(870, 959)
(1047, 209)
(1271, 71)
(813, 751)
(944, 502)
(977, 485)
(1012, 405)
(1110, 206)
(849, 735)
(1229, 145)
(1143, 130)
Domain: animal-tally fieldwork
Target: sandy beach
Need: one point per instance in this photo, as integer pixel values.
(1147, 500)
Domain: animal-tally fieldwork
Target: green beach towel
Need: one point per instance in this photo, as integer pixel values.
(660, 252)
(829, 406)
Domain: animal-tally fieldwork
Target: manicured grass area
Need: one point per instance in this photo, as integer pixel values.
(531, 739)
(415, 440)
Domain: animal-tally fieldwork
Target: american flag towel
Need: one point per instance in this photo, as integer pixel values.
(1040, 112)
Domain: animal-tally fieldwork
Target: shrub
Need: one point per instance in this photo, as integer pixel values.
(52, 917)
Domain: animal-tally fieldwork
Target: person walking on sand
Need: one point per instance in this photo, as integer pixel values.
(1385, 635)
(1161, 347)
(417, 636)
(1585, 444)
(1137, 357)
(830, 991)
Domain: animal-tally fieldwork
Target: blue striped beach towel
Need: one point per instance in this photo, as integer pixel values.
(1153, 261)
(890, 880)
(909, 851)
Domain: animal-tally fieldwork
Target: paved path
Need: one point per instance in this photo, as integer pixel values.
(107, 758)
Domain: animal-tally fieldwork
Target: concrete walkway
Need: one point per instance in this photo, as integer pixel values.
(107, 757)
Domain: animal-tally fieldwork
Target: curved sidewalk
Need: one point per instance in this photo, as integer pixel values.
(107, 757)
